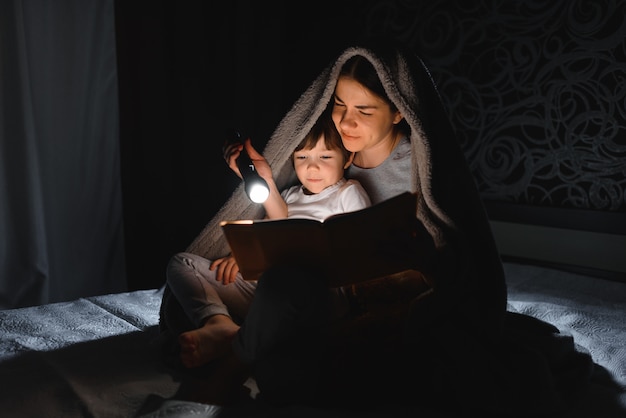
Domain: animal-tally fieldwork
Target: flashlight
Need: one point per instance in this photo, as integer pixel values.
(255, 186)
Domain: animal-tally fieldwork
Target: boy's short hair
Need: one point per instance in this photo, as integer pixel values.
(324, 126)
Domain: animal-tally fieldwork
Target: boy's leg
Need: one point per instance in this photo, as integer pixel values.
(200, 295)
(208, 304)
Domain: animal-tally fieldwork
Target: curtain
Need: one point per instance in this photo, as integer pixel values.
(61, 233)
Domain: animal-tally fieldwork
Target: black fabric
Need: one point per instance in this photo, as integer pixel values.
(529, 370)
(285, 336)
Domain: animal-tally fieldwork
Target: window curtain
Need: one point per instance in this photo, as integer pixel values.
(61, 233)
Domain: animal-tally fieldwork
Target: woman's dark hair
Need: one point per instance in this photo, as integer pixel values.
(361, 70)
(326, 127)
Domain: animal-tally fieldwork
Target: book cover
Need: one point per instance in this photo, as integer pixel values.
(350, 247)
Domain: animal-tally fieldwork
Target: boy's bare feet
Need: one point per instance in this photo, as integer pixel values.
(211, 341)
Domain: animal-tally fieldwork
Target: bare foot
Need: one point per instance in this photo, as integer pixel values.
(211, 341)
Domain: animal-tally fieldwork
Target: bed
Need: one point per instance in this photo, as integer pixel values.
(101, 356)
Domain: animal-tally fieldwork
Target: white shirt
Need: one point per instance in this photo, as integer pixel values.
(343, 196)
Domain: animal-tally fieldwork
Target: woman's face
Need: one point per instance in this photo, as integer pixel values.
(364, 120)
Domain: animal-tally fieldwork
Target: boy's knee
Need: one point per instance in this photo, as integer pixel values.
(176, 263)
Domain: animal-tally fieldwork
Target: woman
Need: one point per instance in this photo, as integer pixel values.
(388, 112)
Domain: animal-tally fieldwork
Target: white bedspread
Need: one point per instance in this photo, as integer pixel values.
(99, 356)
(91, 357)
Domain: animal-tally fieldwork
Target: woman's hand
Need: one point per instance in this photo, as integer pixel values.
(227, 269)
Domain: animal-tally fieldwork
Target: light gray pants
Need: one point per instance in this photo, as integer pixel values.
(201, 295)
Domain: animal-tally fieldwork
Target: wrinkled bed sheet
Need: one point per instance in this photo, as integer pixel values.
(100, 356)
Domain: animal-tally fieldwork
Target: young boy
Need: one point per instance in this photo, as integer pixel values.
(319, 161)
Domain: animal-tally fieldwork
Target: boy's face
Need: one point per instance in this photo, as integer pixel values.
(319, 167)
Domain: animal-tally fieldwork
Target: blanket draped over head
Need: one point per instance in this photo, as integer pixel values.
(470, 274)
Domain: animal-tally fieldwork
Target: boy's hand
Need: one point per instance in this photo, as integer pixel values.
(227, 269)
(232, 151)
(260, 163)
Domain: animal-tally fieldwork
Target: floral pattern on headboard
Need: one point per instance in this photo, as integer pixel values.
(536, 91)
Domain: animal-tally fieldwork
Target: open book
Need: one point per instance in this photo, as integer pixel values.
(352, 247)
